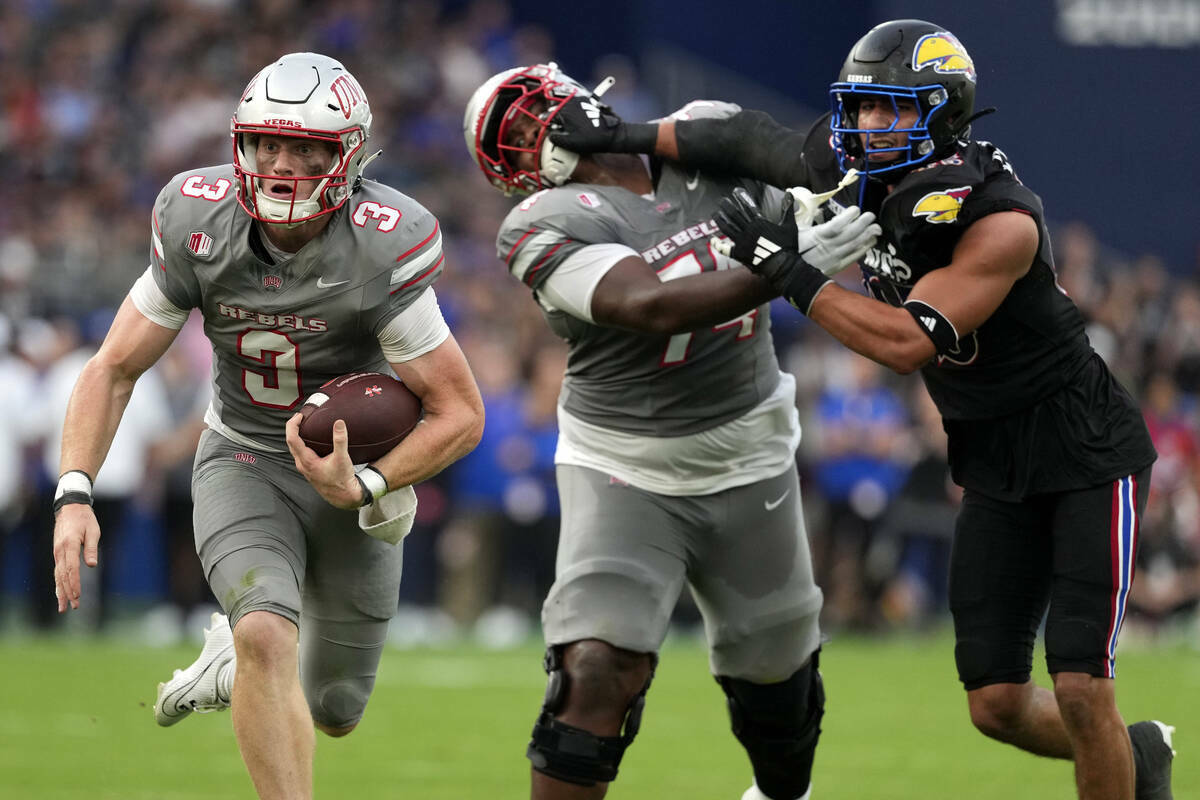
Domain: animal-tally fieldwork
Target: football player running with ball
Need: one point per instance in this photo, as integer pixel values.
(676, 449)
(303, 271)
(1052, 452)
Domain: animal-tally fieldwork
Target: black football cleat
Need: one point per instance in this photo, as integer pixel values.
(1152, 756)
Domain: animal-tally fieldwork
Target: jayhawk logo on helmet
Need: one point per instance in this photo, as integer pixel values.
(944, 53)
(941, 206)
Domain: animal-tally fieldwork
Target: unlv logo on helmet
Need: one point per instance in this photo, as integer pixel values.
(348, 93)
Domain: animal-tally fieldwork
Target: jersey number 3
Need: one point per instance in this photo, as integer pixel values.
(678, 345)
(275, 381)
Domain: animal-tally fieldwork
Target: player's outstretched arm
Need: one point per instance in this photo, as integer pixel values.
(750, 144)
(94, 411)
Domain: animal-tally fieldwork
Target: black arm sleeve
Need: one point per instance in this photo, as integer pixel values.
(750, 144)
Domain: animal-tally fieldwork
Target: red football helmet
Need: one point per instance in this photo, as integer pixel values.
(538, 93)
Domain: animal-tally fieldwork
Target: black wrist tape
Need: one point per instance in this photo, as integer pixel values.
(373, 482)
(367, 497)
(637, 137)
(67, 498)
(803, 280)
(934, 324)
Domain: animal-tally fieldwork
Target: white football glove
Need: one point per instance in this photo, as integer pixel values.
(834, 245)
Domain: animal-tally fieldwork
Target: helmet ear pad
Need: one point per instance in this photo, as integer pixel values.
(557, 163)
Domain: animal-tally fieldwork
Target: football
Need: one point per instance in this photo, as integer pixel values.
(379, 411)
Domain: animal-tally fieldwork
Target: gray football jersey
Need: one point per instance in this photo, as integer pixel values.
(279, 331)
(632, 382)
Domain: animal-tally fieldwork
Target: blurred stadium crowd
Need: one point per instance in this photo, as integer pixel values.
(104, 101)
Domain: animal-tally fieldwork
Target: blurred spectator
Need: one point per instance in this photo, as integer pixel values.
(1168, 562)
(184, 368)
(862, 429)
(18, 403)
(121, 481)
(913, 546)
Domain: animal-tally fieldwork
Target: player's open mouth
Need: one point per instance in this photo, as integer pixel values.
(882, 150)
(280, 190)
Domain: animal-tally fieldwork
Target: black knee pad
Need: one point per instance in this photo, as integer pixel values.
(779, 725)
(573, 754)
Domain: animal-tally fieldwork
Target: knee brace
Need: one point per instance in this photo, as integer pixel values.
(779, 725)
(573, 754)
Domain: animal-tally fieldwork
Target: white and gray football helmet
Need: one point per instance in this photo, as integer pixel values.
(309, 96)
(537, 92)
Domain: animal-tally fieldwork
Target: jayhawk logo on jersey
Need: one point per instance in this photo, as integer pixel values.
(944, 53)
(941, 206)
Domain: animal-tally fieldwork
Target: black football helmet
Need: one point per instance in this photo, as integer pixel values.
(906, 58)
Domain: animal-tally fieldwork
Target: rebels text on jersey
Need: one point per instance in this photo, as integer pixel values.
(280, 328)
(637, 383)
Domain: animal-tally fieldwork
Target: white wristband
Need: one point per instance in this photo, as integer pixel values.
(373, 479)
(75, 480)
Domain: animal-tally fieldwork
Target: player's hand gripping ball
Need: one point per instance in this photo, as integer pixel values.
(378, 410)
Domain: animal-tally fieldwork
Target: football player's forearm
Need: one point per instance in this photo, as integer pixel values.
(712, 298)
(93, 413)
(883, 333)
(687, 304)
(444, 436)
(666, 145)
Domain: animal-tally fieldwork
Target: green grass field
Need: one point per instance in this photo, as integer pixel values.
(76, 722)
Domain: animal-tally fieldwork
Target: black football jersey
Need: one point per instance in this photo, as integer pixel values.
(1013, 381)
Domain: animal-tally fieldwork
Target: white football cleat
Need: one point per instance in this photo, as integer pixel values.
(195, 688)
(754, 793)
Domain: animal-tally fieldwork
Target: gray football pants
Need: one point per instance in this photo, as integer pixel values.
(624, 554)
(269, 542)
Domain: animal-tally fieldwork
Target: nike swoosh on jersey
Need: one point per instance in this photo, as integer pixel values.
(692, 182)
(321, 284)
(771, 506)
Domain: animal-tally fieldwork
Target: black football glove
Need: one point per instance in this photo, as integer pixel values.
(796, 262)
(588, 125)
(752, 237)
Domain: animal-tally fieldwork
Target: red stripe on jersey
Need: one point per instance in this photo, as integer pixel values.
(162, 262)
(537, 266)
(437, 264)
(513, 252)
(422, 243)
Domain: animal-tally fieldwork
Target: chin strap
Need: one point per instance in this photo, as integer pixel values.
(366, 163)
(966, 126)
